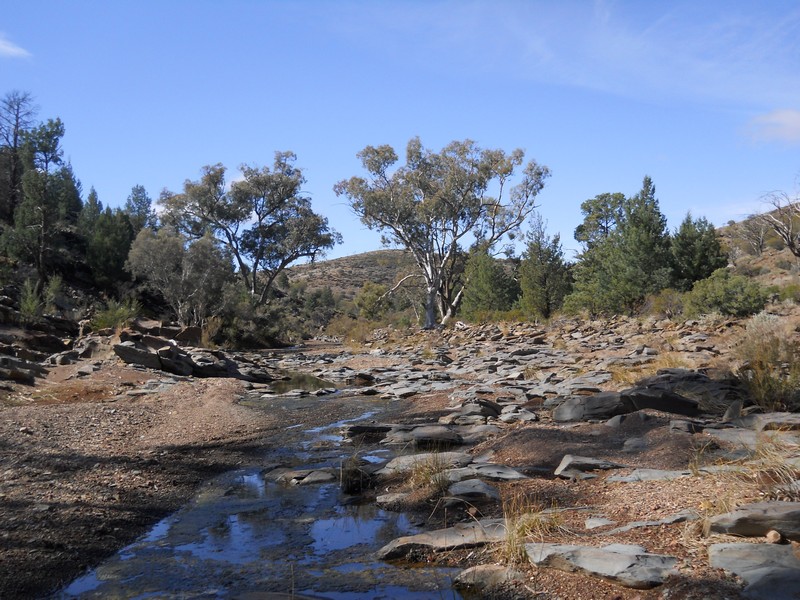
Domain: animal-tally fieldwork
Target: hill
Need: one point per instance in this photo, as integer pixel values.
(348, 274)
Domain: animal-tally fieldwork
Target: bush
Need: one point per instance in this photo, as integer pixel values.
(726, 294)
(30, 305)
(667, 303)
(116, 314)
(770, 365)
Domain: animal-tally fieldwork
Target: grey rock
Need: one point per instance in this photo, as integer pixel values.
(582, 408)
(597, 522)
(486, 577)
(772, 572)
(473, 490)
(435, 437)
(659, 399)
(680, 517)
(130, 353)
(650, 475)
(755, 520)
(570, 465)
(631, 566)
(497, 472)
(463, 535)
(402, 464)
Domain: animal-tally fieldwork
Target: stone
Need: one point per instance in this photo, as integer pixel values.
(597, 522)
(402, 464)
(659, 399)
(462, 535)
(571, 466)
(583, 408)
(131, 354)
(485, 577)
(473, 490)
(435, 437)
(650, 475)
(628, 565)
(497, 472)
(756, 520)
(771, 571)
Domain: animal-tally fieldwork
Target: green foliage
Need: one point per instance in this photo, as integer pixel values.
(30, 304)
(264, 221)
(50, 201)
(108, 245)
(696, 252)
(434, 201)
(371, 301)
(601, 216)
(138, 207)
(726, 294)
(617, 272)
(770, 357)
(191, 276)
(489, 286)
(544, 276)
(667, 303)
(91, 211)
(52, 290)
(116, 315)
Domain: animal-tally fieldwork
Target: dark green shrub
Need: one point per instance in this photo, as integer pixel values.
(725, 294)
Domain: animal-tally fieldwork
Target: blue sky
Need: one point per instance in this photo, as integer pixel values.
(702, 96)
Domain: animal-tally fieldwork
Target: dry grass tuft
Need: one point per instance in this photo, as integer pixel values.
(526, 520)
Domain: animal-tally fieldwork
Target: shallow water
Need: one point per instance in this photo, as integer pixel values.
(247, 535)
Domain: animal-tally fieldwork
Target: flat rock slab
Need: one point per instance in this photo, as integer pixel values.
(583, 408)
(435, 436)
(497, 472)
(660, 399)
(402, 464)
(473, 490)
(771, 571)
(650, 475)
(463, 535)
(755, 520)
(571, 465)
(486, 577)
(628, 565)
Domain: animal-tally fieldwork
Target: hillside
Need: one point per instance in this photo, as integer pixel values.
(348, 274)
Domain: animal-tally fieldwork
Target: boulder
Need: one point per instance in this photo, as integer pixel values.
(659, 399)
(583, 408)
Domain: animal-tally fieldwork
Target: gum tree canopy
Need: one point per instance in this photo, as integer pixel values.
(264, 220)
(436, 201)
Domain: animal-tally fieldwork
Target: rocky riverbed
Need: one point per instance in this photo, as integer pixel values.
(588, 460)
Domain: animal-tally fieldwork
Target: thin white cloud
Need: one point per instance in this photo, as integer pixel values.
(710, 52)
(777, 126)
(9, 49)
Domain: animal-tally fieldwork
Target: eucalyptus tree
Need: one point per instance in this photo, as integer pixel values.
(437, 202)
(264, 220)
(191, 276)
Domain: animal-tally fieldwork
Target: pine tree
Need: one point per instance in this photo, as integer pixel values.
(489, 287)
(696, 252)
(544, 276)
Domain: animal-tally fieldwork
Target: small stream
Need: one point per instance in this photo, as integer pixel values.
(248, 535)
